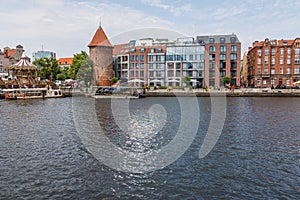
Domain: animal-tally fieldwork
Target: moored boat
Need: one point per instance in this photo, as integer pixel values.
(31, 93)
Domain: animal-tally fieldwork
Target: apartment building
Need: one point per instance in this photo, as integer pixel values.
(121, 61)
(185, 58)
(142, 60)
(14, 55)
(205, 60)
(222, 58)
(273, 63)
(3, 64)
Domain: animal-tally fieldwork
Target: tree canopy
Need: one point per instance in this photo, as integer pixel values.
(81, 67)
(226, 80)
(49, 67)
(60, 77)
(85, 72)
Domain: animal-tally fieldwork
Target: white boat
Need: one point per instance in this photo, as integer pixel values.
(31, 93)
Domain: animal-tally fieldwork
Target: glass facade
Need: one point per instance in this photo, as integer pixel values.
(188, 60)
(43, 54)
(169, 63)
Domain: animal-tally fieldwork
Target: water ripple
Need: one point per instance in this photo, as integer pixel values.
(257, 156)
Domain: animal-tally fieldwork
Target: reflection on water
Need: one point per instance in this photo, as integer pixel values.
(146, 129)
(257, 155)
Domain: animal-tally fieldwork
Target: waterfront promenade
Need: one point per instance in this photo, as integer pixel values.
(244, 92)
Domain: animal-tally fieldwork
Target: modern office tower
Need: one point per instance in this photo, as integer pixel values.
(43, 54)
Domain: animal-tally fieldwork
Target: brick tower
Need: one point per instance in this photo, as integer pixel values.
(101, 53)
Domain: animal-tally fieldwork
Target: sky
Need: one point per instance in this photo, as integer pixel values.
(67, 26)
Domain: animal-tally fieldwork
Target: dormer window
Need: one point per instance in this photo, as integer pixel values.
(232, 39)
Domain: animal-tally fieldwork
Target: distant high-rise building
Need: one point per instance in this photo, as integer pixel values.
(43, 54)
(273, 63)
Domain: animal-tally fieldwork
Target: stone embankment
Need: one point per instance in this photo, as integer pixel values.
(236, 93)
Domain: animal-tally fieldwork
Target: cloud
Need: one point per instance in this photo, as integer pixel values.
(65, 26)
(222, 13)
(175, 8)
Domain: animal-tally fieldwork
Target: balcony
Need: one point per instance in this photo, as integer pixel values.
(265, 75)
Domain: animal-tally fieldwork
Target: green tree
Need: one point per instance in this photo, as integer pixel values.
(60, 77)
(81, 67)
(85, 72)
(49, 67)
(64, 71)
(226, 80)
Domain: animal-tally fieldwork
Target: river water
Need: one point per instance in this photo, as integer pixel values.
(257, 156)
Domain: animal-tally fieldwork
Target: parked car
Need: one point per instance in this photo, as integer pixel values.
(104, 90)
(281, 86)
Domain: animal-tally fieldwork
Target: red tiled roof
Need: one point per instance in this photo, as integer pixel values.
(288, 42)
(65, 61)
(100, 39)
(11, 52)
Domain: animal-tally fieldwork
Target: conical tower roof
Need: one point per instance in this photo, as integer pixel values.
(100, 39)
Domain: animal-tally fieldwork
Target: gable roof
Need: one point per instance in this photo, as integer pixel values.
(100, 39)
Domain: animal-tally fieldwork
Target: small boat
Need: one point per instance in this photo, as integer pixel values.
(31, 93)
(115, 97)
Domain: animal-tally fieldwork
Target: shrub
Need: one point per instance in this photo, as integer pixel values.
(114, 80)
(163, 87)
